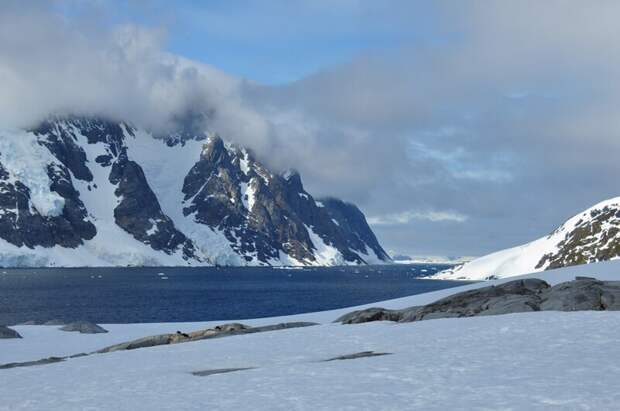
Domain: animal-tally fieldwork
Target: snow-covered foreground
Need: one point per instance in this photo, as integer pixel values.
(543, 360)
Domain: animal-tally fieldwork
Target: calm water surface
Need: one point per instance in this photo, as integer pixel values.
(128, 295)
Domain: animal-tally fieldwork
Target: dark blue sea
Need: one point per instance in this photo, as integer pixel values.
(130, 295)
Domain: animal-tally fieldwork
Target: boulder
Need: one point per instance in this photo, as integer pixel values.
(583, 294)
(513, 296)
(6, 332)
(84, 327)
(370, 314)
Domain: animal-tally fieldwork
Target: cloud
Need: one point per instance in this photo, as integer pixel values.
(505, 113)
(50, 64)
(512, 121)
(409, 216)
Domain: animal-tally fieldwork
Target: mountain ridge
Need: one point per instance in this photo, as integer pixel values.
(78, 191)
(588, 237)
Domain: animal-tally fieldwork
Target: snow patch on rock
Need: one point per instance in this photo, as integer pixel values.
(27, 161)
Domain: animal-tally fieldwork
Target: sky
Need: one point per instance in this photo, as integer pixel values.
(459, 128)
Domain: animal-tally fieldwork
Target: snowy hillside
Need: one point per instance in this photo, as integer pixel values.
(89, 192)
(590, 236)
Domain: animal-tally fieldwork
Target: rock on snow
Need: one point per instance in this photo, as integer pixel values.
(591, 236)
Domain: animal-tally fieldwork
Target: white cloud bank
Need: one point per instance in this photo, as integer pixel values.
(515, 104)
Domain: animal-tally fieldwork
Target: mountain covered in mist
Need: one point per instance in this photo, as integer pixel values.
(591, 236)
(89, 192)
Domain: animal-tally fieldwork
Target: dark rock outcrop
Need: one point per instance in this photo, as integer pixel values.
(357, 355)
(84, 327)
(6, 332)
(224, 330)
(371, 314)
(264, 214)
(511, 297)
(595, 237)
(139, 213)
(583, 295)
(44, 361)
(357, 234)
(21, 224)
(206, 373)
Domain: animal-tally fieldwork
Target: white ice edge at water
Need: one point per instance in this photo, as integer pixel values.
(529, 361)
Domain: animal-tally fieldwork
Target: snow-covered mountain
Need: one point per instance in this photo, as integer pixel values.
(588, 237)
(90, 192)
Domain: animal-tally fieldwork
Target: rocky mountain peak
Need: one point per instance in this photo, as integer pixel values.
(293, 179)
(98, 192)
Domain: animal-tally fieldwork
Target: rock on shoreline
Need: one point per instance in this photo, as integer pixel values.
(581, 294)
(6, 332)
(223, 330)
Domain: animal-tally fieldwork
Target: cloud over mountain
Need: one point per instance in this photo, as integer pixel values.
(506, 113)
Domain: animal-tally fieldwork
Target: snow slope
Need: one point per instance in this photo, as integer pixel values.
(528, 361)
(26, 161)
(590, 236)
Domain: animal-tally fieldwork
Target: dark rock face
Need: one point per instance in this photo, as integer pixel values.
(511, 297)
(595, 237)
(219, 194)
(264, 214)
(6, 332)
(357, 235)
(84, 327)
(582, 295)
(371, 314)
(267, 218)
(65, 148)
(23, 225)
(139, 212)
